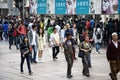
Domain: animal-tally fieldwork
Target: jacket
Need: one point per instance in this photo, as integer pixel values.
(30, 37)
(112, 52)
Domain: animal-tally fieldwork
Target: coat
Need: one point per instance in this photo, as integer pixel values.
(112, 52)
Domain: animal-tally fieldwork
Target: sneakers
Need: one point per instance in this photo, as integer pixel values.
(30, 73)
(40, 60)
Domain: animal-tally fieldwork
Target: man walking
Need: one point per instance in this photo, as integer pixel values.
(113, 56)
(33, 41)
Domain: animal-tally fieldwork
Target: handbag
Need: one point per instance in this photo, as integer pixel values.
(25, 51)
(81, 54)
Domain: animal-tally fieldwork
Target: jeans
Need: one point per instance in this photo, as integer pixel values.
(1, 38)
(16, 41)
(34, 48)
(97, 46)
(10, 41)
(28, 62)
(55, 51)
(6, 35)
(85, 61)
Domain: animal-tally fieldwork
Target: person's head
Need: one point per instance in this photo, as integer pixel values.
(34, 27)
(68, 35)
(114, 36)
(86, 31)
(41, 32)
(25, 39)
(54, 30)
(87, 39)
(67, 25)
(74, 26)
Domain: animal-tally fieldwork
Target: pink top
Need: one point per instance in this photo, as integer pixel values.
(22, 30)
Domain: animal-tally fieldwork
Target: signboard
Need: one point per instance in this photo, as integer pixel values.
(41, 6)
(109, 6)
(60, 6)
(82, 7)
(33, 6)
(95, 7)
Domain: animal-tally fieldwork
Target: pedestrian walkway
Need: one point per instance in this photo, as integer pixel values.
(49, 69)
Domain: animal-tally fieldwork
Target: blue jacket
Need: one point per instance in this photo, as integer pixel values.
(5, 27)
(69, 31)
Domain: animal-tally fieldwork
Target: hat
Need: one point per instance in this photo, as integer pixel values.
(114, 33)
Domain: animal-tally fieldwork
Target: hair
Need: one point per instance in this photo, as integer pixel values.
(54, 28)
(33, 26)
(42, 32)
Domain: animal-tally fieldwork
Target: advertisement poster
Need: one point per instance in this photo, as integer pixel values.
(60, 6)
(33, 6)
(70, 6)
(82, 6)
(95, 6)
(119, 7)
(50, 6)
(41, 6)
(109, 6)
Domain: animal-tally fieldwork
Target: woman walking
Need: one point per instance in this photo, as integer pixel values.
(25, 54)
(85, 46)
(40, 44)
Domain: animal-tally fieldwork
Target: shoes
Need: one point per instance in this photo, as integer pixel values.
(75, 58)
(9, 47)
(22, 72)
(56, 57)
(39, 60)
(35, 61)
(87, 75)
(89, 66)
(30, 73)
(110, 74)
(69, 76)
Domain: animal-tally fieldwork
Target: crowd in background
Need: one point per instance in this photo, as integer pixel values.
(57, 33)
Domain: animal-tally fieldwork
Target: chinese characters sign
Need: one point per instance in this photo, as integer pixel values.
(60, 6)
(75, 6)
(82, 7)
(41, 6)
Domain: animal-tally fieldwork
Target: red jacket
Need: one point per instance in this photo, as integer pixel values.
(15, 33)
(113, 53)
(22, 30)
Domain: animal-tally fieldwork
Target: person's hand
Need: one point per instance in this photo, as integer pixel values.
(23, 55)
(30, 48)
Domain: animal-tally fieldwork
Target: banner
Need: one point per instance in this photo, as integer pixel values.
(41, 6)
(109, 6)
(60, 6)
(82, 7)
(95, 6)
(33, 6)
(50, 6)
(119, 7)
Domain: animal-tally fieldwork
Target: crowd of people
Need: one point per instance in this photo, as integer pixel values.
(34, 34)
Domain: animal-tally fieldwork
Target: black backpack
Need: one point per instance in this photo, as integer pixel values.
(98, 33)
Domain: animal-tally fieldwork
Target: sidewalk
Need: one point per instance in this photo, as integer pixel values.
(49, 69)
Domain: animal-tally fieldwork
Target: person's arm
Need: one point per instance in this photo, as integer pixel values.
(108, 52)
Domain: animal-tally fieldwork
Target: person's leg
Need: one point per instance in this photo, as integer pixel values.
(97, 46)
(85, 69)
(57, 51)
(35, 52)
(53, 51)
(113, 68)
(89, 60)
(28, 63)
(16, 43)
(21, 64)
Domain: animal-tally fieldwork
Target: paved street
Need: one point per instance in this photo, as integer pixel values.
(49, 69)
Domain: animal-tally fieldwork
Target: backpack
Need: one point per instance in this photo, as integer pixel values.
(98, 33)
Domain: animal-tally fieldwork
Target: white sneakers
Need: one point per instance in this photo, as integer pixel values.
(40, 60)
